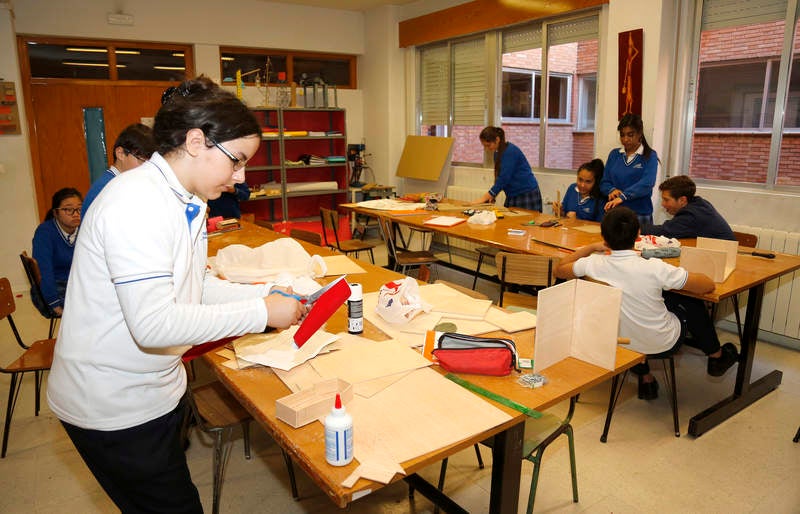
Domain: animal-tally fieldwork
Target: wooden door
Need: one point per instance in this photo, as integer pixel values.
(61, 158)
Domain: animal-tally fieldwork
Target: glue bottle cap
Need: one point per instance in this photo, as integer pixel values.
(338, 404)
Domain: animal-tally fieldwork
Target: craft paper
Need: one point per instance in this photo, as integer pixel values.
(577, 319)
(278, 350)
(454, 304)
(511, 321)
(444, 221)
(715, 258)
(341, 265)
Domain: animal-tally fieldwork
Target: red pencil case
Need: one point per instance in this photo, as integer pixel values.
(460, 353)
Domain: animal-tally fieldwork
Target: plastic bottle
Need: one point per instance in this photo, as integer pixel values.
(355, 309)
(338, 435)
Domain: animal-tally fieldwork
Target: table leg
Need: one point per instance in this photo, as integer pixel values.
(506, 470)
(744, 392)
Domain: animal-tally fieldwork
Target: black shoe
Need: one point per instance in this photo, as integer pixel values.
(648, 390)
(719, 365)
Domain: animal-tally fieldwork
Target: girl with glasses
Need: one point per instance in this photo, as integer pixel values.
(53, 246)
(139, 297)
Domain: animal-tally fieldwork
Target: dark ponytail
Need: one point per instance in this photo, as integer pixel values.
(491, 134)
(596, 168)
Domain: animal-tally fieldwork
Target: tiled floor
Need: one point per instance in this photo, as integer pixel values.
(747, 464)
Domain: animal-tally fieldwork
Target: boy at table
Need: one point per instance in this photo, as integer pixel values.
(692, 216)
(655, 318)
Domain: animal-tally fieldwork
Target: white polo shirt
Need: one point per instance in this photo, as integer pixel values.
(643, 317)
(138, 295)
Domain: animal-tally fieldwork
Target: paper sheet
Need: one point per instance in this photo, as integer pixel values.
(511, 321)
(341, 265)
(278, 350)
(454, 303)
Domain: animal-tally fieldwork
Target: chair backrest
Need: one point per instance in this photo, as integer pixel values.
(525, 269)
(7, 305)
(214, 407)
(306, 235)
(35, 280)
(745, 239)
(330, 222)
(386, 226)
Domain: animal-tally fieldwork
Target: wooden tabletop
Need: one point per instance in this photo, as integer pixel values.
(258, 388)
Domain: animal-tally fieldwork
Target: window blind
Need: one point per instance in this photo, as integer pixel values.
(718, 14)
(525, 37)
(435, 85)
(573, 31)
(469, 82)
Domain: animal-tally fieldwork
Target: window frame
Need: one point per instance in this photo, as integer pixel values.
(580, 122)
(290, 55)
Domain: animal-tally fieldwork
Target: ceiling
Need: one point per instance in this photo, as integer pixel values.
(348, 5)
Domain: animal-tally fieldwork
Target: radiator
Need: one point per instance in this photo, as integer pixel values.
(466, 194)
(780, 310)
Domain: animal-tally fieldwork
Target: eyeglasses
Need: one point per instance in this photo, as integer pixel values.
(70, 211)
(238, 164)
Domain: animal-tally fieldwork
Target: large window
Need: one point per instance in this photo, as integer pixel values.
(558, 78)
(743, 72)
(285, 66)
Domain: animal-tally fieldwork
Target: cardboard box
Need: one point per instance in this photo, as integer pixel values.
(577, 319)
(303, 407)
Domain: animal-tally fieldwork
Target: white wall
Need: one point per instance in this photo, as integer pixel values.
(206, 24)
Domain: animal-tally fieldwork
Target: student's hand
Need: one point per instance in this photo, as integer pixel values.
(283, 311)
(58, 310)
(572, 215)
(613, 203)
(615, 193)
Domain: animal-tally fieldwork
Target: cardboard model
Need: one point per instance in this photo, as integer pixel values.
(715, 258)
(577, 319)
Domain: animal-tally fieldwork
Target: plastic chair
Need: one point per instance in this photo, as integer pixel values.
(670, 384)
(306, 235)
(526, 270)
(36, 358)
(403, 259)
(217, 413)
(35, 280)
(330, 222)
(539, 433)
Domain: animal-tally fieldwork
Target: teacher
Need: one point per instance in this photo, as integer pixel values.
(512, 173)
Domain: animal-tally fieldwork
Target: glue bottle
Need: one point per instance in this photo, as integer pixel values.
(338, 435)
(355, 309)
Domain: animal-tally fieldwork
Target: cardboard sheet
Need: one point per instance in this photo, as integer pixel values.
(452, 303)
(511, 321)
(362, 359)
(715, 258)
(589, 229)
(341, 265)
(577, 319)
(278, 350)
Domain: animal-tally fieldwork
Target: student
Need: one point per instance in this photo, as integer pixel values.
(512, 173)
(583, 199)
(133, 146)
(630, 172)
(139, 296)
(692, 216)
(53, 246)
(227, 205)
(654, 322)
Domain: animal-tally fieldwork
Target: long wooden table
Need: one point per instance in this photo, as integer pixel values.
(258, 388)
(751, 275)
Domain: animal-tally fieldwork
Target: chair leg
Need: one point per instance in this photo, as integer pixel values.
(246, 437)
(573, 467)
(292, 480)
(440, 486)
(797, 435)
(371, 256)
(38, 376)
(537, 461)
(477, 270)
(673, 390)
(478, 455)
(13, 391)
(52, 328)
(616, 388)
(221, 451)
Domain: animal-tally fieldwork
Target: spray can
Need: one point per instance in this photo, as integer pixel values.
(338, 435)
(355, 309)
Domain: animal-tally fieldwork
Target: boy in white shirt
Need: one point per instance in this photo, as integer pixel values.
(655, 319)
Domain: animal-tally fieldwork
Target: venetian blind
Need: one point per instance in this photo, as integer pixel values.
(718, 14)
(572, 31)
(469, 82)
(525, 37)
(435, 85)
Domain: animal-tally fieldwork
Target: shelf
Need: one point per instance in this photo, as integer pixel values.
(273, 167)
(315, 192)
(315, 166)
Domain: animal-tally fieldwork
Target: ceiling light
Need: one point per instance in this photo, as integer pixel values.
(92, 50)
(128, 52)
(91, 64)
(169, 68)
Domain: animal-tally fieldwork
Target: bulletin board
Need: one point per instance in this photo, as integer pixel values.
(424, 157)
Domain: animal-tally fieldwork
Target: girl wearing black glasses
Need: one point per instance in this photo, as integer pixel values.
(139, 297)
(53, 246)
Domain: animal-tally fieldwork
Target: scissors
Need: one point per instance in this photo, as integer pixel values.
(307, 299)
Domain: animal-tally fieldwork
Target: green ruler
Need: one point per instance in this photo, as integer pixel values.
(494, 396)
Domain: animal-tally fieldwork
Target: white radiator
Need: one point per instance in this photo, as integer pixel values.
(466, 194)
(780, 310)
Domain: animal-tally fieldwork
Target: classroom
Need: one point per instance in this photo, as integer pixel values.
(386, 45)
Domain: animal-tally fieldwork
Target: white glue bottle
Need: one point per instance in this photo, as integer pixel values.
(338, 435)
(355, 309)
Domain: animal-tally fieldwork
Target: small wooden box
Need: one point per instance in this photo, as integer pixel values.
(303, 407)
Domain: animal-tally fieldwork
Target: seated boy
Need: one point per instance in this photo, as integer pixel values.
(654, 322)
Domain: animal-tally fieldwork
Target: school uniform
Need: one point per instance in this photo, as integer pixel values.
(697, 219)
(53, 250)
(517, 180)
(589, 208)
(635, 177)
(98, 186)
(139, 296)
